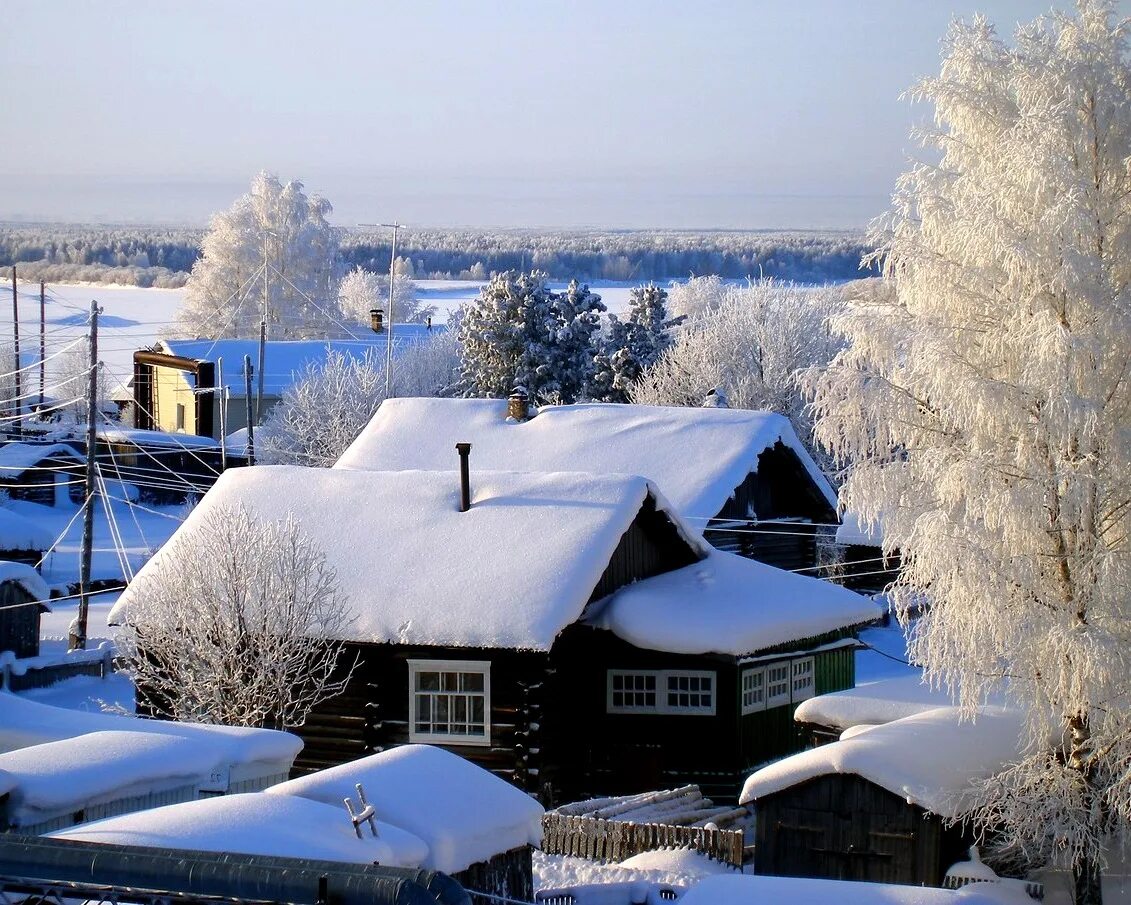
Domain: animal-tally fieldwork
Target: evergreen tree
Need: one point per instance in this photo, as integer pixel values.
(633, 344)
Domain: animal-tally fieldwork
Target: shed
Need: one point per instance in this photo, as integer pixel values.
(475, 826)
(47, 473)
(864, 566)
(874, 806)
(537, 633)
(743, 478)
(22, 539)
(23, 596)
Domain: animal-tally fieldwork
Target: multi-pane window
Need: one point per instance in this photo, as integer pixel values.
(661, 691)
(777, 684)
(753, 690)
(803, 685)
(450, 701)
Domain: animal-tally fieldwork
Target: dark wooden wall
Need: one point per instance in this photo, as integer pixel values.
(37, 485)
(842, 827)
(19, 625)
(863, 569)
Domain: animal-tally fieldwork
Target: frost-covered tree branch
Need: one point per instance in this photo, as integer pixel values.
(243, 632)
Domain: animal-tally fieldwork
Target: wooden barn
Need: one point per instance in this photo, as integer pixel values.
(22, 596)
(742, 478)
(874, 806)
(47, 473)
(567, 631)
(863, 565)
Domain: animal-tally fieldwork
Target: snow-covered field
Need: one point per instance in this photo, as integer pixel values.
(133, 318)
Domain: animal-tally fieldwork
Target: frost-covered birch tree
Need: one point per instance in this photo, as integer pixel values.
(361, 290)
(985, 399)
(242, 633)
(277, 226)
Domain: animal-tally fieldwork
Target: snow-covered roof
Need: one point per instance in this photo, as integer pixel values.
(745, 889)
(930, 759)
(729, 604)
(874, 703)
(137, 437)
(464, 813)
(696, 456)
(853, 530)
(24, 722)
(16, 456)
(26, 577)
(71, 774)
(255, 823)
(17, 532)
(512, 572)
(283, 360)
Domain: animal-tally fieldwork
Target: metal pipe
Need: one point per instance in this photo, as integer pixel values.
(464, 450)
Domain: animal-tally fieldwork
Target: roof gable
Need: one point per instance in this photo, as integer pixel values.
(512, 572)
(15, 457)
(696, 456)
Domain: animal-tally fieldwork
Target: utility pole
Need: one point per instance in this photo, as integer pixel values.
(247, 398)
(16, 346)
(42, 339)
(263, 329)
(223, 414)
(389, 338)
(78, 636)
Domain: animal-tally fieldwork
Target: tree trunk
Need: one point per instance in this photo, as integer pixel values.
(1086, 880)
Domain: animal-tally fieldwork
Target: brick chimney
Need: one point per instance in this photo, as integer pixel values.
(518, 404)
(377, 319)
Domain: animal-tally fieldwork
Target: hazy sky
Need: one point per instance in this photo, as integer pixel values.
(617, 113)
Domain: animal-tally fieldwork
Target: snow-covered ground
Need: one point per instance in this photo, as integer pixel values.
(133, 318)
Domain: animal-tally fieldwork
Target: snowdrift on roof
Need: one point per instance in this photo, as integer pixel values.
(257, 824)
(729, 605)
(696, 456)
(27, 578)
(512, 572)
(464, 813)
(930, 759)
(748, 889)
(17, 532)
(874, 703)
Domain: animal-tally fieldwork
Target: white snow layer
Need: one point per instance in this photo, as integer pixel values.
(512, 572)
(874, 703)
(18, 532)
(696, 456)
(853, 531)
(16, 457)
(731, 605)
(24, 722)
(464, 813)
(26, 577)
(255, 823)
(931, 759)
(75, 773)
(747, 889)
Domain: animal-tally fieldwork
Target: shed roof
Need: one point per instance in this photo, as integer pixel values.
(17, 532)
(464, 813)
(512, 572)
(17, 456)
(284, 360)
(931, 759)
(696, 456)
(26, 577)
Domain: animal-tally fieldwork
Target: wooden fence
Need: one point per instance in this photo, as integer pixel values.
(614, 840)
(19, 676)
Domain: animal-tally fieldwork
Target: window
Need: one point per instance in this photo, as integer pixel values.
(180, 417)
(661, 691)
(753, 690)
(803, 685)
(777, 684)
(450, 701)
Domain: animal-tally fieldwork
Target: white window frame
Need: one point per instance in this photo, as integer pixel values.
(804, 671)
(662, 706)
(478, 667)
(783, 680)
(753, 707)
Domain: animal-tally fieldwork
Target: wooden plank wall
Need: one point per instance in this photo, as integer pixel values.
(612, 840)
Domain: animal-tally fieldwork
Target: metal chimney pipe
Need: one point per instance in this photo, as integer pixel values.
(464, 450)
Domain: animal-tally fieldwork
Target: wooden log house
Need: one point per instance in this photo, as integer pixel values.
(567, 631)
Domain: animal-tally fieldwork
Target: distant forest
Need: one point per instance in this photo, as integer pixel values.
(162, 257)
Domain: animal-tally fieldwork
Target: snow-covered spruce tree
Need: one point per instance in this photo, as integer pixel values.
(243, 632)
(749, 347)
(985, 399)
(279, 223)
(632, 345)
(361, 290)
(518, 331)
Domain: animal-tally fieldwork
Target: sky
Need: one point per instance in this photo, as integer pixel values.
(732, 114)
